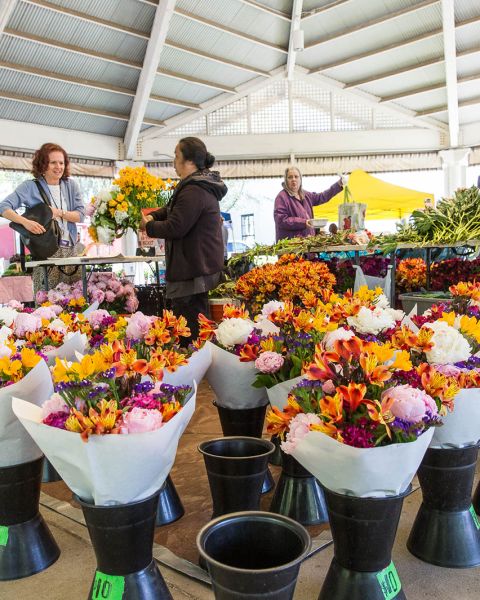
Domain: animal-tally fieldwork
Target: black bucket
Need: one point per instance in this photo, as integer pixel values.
(298, 494)
(276, 458)
(476, 499)
(446, 530)
(50, 474)
(253, 555)
(26, 544)
(245, 422)
(122, 538)
(363, 531)
(170, 507)
(236, 468)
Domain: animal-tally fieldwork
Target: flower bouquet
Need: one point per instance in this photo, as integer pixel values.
(233, 350)
(291, 278)
(112, 212)
(357, 422)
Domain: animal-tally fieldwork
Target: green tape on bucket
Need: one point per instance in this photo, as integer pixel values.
(475, 517)
(389, 582)
(107, 587)
(3, 535)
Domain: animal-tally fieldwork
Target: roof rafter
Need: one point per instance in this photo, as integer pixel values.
(158, 35)
(444, 107)
(294, 26)
(71, 107)
(266, 9)
(234, 32)
(220, 101)
(6, 9)
(428, 88)
(450, 51)
(87, 17)
(90, 84)
(109, 58)
(323, 9)
(374, 22)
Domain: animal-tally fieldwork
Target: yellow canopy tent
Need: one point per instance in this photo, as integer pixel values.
(384, 200)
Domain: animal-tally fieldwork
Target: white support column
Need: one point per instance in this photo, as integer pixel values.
(454, 165)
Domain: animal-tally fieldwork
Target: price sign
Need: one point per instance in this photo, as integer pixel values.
(475, 517)
(3, 535)
(389, 582)
(107, 587)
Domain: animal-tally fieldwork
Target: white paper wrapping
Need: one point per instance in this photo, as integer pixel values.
(462, 426)
(278, 394)
(4, 333)
(16, 445)
(91, 308)
(361, 472)
(108, 469)
(69, 349)
(194, 370)
(232, 380)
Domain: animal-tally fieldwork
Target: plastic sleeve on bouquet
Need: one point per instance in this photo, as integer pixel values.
(194, 370)
(232, 380)
(91, 307)
(278, 394)
(461, 427)
(362, 472)
(109, 469)
(16, 445)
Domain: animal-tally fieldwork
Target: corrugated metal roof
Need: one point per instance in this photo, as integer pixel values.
(373, 39)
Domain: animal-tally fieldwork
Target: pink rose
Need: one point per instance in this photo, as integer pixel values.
(141, 420)
(299, 427)
(26, 322)
(410, 404)
(138, 326)
(269, 362)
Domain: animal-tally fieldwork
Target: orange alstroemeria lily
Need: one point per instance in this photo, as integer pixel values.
(321, 369)
(353, 394)
(248, 353)
(374, 372)
(207, 328)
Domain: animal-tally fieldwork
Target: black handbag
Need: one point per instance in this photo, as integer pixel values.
(41, 245)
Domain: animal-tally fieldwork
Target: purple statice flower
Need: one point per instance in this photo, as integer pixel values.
(143, 387)
(472, 363)
(359, 435)
(56, 419)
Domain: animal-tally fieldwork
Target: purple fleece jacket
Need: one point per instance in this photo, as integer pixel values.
(291, 214)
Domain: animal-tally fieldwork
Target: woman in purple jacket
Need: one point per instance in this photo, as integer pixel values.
(294, 207)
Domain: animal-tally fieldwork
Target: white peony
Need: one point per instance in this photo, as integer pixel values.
(7, 315)
(266, 327)
(105, 235)
(338, 334)
(382, 301)
(449, 345)
(57, 325)
(269, 307)
(371, 321)
(234, 331)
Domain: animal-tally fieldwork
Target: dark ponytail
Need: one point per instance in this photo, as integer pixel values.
(194, 149)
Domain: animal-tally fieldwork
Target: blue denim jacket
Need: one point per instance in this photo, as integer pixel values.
(27, 195)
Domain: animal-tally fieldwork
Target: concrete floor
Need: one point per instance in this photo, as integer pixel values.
(71, 576)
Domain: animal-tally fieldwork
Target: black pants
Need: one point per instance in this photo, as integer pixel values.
(190, 307)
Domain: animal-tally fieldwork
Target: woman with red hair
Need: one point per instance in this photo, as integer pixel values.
(51, 171)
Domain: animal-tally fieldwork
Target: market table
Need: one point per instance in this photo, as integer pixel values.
(18, 287)
(84, 261)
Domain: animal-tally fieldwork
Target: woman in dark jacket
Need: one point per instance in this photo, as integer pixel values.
(191, 225)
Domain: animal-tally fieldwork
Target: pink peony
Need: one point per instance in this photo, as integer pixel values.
(96, 317)
(15, 304)
(26, 322)
(41, 297)
(138, 326)
(109, 296)
(448, 370)
(98, 295)
(410, 404)
(45, 312)
(269, 362)
(54, 404)
(338, 334)
(141, 420)
(299, 427)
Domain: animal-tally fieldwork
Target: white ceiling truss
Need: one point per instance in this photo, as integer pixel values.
(143, 68)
